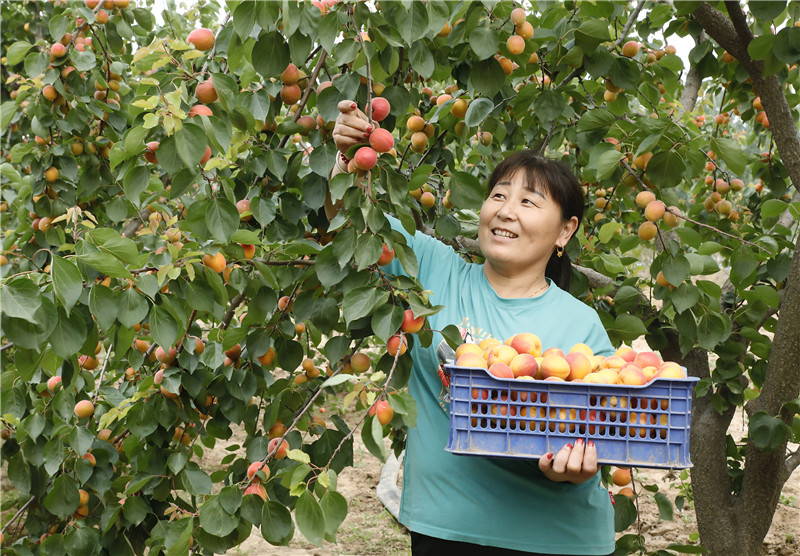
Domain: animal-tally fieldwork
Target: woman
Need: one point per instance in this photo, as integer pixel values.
(467, 505)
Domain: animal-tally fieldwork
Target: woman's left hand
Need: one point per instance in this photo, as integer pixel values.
(575, 464)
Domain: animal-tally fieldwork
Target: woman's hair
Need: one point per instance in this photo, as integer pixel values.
(554, 178)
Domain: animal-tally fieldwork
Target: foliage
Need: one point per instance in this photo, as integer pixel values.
(109, 259)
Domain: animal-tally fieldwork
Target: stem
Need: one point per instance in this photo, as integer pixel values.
(19, 513)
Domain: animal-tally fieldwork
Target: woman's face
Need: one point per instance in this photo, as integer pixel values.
(520, 228)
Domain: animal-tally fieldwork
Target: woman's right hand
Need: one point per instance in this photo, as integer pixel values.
(352, 126)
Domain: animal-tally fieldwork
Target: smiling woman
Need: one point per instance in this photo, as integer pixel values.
(533, 208)
(460, 504)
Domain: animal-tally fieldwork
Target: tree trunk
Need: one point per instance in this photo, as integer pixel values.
(728, 523)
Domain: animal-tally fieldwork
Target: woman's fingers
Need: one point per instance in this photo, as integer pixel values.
(561, 459)
(546, 462)
(575, 460)
(346, 106)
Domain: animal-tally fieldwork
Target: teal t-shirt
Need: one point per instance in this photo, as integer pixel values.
(499, 502)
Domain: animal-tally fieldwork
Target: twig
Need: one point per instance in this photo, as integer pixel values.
(634, 15)
(306, 94)
(19, 512)
(6, 346)
(100, 380)
(214, 48)
(235, 302)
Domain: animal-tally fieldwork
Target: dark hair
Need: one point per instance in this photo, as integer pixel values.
(553, 177)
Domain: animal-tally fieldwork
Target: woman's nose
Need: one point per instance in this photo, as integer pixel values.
(506, 211)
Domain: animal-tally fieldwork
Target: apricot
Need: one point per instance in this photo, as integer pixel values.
(281, 445)
(254, 468)
(427, 199)
(290, 94)
(459, 108)
(526, 342)
(200, 110)
(396, 344)
(53, 383)
(654, 210)
(415, 123)
(473, 360)
(267, 358)
(206, 93)
(524, 364)
(515, 45)
(84, 409)
(387, 255)
(202, 39)
(51, 174)
(381, 140)
(647, 231)
(166, 357)
(621, 477)
(366, 158)
(630, 49)
(518, 16)
(256, 489)
(524, 30)
(644, 198)
(419, 140)
(579, 365)
(380, 108)
(58, 50)
(383, 411)
(84, 361)
(360, 362)
(215, 262)
(101, 17)
(554, 366)
(243, 206)
(411, 325)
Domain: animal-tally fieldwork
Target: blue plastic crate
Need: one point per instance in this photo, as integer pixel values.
(642, 426)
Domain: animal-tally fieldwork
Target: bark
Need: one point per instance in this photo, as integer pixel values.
(737, 523)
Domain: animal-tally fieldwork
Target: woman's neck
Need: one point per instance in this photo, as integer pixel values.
(513, 285)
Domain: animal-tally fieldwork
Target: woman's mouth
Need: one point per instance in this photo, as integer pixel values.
(503, 233)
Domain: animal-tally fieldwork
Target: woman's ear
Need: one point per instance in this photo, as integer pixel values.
(567, 230)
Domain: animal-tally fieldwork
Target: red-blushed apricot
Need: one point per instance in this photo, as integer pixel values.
(630, 49)
(518, 16)
(383, 411)
(202, 39)
(366, 158)
(281, 447)
(621, 477)
(387, 255)
(360, 362)
(206, 156)
(396, 344)
(200, 110)
(381, 140)
(267, 358)
(291, 94)
(205, 92)
(410, 324)
(254, 468)
(654, 210)
(277, 430)
(380, 108)
(515, 45)
(257, 489)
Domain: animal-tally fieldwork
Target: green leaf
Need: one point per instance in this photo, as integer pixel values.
(334, 506)
(731, 152)
(664, 506)
(135, 509)
(628, 327)
(103, 306)
(83, 61)
(215, 520)
(67, 282)
(666, 169)
(595, 120)
(386, 320)
(676, 269)
(68, 335)
(360, 302)
(17, 51)
(372, 435)
(744, 268)
(624, 513)
(20, 298)
(685, 297)
(190, 144)
(711, 330)
(773, 207)
(767, 433)
(136, 180)
(591, 33)
(487, 77)
(196, 481)
(244, 19)
(63, 498)
(104, 263)
(765, 10)
(230, 498)
(19, 473)
(132, 307)
(273, 55)
(163, 327)
(142, 419)
(276, 523)
(607, 163)
(421, 60)
(477, 111)
(222, 219)
(549, 105)
(413, 24)
(484, 41)
(787, 45)
(466, 191)
(310, 518)
(608, 231)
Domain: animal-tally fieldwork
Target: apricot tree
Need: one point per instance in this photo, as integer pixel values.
(169, 275)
